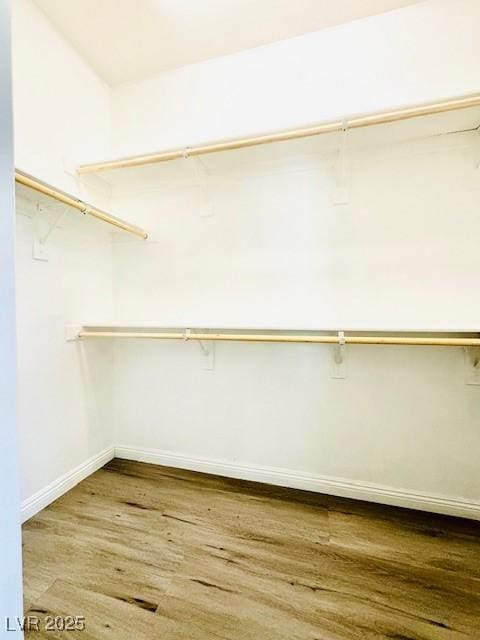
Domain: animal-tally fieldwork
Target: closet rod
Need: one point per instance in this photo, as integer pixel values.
(230, 337)
(87, 209)
(280, 136)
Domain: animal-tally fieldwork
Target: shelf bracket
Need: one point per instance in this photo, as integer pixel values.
(472, 365)
(207, 348)
(43, 229)
(71, 169)
(72, 332)
(341, 192)
(339, 364)
(476, 148)
(202, 179)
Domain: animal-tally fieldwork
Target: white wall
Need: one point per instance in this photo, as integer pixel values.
(424, 52)
(64, 388)
(10, 544)
(277, 253)
(61, 111)
(403, 423)
(61, 106)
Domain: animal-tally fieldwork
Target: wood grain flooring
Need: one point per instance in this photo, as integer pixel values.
(147, 552)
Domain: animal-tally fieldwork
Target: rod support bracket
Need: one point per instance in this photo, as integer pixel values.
(43, 229)
(202, 177)
(341, 193)
(339, 365)
(72, 332)
(472, 365)
(207, 349)
(476, 148)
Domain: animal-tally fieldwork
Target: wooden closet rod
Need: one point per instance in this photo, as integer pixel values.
(87, 209)
(337, 339)
(280, 136)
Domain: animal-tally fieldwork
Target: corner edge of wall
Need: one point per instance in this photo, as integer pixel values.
(57, 488)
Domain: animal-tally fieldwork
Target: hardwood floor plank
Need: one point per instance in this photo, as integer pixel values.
(105, 616)
(152, 552)
(197, 505)
(220, 483)
(70, 540)
(325, 589)
(406, 540)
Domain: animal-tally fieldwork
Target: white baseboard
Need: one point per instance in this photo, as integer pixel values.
(58, 487)
(270, 475)
(308, 481)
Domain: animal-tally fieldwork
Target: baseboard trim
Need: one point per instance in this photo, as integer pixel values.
(270, 475)
(57, 488)
(310, 482)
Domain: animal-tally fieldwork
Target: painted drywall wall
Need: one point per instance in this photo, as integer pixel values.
(61, 109)
(402, 428)
(64, 387)
(10, 544)
(278, 253)
(420, 53)
(61, 106)
(275, 253)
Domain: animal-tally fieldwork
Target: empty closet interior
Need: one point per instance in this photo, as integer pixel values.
(262, 266)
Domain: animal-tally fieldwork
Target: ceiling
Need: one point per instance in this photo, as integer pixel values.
(126, 40)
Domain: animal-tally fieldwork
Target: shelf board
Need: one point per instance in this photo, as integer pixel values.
(237, 328)
(413, 129)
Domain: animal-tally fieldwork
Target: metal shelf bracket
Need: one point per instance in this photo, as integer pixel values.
(43, 229)
(208, 351)
(341, 193)
(472, 365)
(339, 365)
(202, 179)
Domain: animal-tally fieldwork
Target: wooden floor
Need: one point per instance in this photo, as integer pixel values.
(149, 552)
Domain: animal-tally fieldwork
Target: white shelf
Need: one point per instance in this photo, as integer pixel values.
(429, 127)
(216, 327)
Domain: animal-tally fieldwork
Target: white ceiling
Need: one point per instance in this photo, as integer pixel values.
(125, 40)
